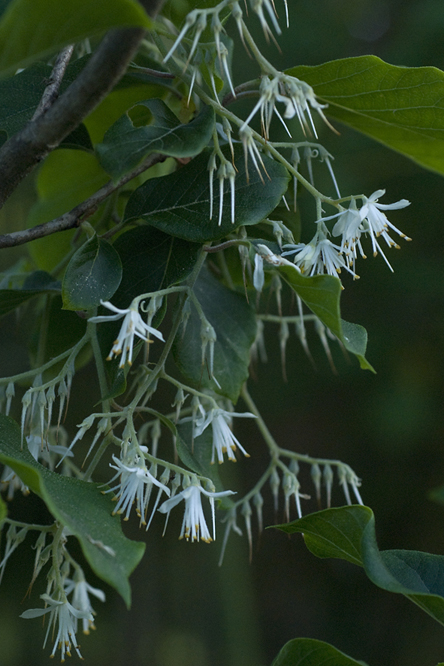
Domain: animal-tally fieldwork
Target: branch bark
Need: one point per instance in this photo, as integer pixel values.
(80, 212)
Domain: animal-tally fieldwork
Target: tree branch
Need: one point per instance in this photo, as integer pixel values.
(27, 148)
(39, 137)
(80, 212)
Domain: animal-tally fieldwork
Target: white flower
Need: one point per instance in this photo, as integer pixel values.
(194, 525)
(349, 226)
(375, 222)
(135, 485)
(258, 275)
(66, 616)
(132, 325)
(223, 439)
(80, 598)
(269, 93)
(318, 257)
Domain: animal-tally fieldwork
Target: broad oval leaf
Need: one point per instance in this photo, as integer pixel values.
(179, 204)
(234, 323)
(34, 29)
(349, 533)
(151, 260)
(311, 652)
(81, 507)
(401, 107)
(125, 145)
(92, 275)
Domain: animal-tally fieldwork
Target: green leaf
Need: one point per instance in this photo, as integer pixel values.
(349, 533)
(321, 293)
(38, 282)
(310, 652)
(179, 204)
(94, 273)
(3, 512)
(401, 107)
(81, 507)
(125, 145)
(234, 322)
(151, 260)
(20, 96)
(35, 29)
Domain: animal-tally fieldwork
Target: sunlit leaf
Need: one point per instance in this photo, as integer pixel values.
(401, 107)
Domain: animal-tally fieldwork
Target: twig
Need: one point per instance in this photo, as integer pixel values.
(20, 154)
(51, 91)
(81, 211)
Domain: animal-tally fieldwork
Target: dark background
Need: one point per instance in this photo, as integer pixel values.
(389, 426)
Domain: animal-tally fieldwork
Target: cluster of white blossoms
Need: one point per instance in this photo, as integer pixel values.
(320, 255)
(64, 615)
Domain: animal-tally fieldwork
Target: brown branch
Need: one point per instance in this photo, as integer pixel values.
(83, 210)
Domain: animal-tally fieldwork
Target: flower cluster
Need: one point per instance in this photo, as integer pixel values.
(320, 255)
(135, 485)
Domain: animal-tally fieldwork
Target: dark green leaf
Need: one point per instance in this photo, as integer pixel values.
(38, 282)
(125, 145)
(179, 204)
(64, 329)
(94, 273)
(401, 107)
(234, 322)
(20, 95)
(3, 512)
(151, 260)
(81, 507)
(349, 533)
(321, 293)
(34, 29)
(310, 652)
